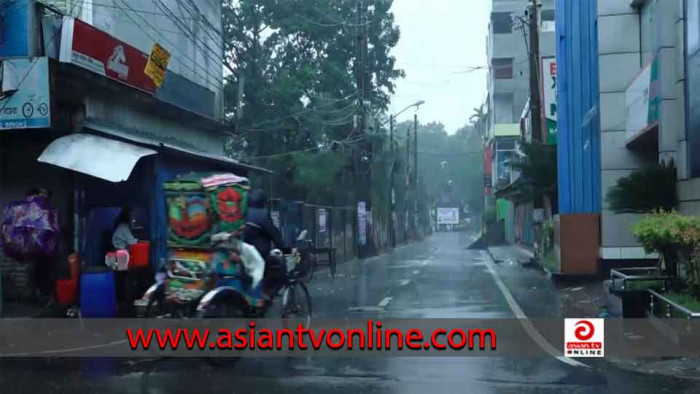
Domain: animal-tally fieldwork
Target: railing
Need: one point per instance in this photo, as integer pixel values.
(670, 307)
(637, 274)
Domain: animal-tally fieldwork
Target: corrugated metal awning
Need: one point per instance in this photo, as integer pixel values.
(100, 157)
(105, 129)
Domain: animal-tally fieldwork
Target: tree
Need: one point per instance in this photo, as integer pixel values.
(450, 165)
(479, 121)
(296, 60)
(653, 187)
(538, 171)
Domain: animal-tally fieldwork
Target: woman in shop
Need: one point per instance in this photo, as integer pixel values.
(122, 237)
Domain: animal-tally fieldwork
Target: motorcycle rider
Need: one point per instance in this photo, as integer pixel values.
(264, 236)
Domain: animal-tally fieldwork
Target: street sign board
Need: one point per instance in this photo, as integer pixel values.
(448, 215)
(157, 64)
(25, 101)
(96, 51)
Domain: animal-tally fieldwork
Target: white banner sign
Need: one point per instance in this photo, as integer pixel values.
(322, 215)
(275, 215)
(448, 215)
(361, 223)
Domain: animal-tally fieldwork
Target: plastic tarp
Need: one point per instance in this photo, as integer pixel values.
(100, 157)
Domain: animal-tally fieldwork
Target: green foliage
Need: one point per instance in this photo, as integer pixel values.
(549, 261)
(644, 285)
(296, 61)
(317, 173)
(538, 169)
(687, 300)
(652, 187)
(450, 166)
(669, 233)
(664, 230)
(479, 121)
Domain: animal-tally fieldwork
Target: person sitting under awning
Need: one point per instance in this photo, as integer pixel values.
(122, 237)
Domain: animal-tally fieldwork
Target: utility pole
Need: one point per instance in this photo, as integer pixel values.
(364, 178)
(535, 100)
(392, 224)
(408, 180)
(415, 171)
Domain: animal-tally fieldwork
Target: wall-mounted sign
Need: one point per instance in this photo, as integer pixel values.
(549, 99)
(361, 223)
(99, 52)
(157, 64)
(642, 100)
(25, 101)
(275, 216)
(322, 218)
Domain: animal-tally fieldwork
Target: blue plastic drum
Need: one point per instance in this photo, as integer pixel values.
(98, 297)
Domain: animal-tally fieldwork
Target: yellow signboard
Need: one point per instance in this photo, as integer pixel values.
(157, 64)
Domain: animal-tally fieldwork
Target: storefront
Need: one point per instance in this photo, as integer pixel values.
(99, 140)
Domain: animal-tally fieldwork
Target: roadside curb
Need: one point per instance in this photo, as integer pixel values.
(628, 366)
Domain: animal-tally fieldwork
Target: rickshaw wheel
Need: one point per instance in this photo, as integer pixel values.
(228, 307)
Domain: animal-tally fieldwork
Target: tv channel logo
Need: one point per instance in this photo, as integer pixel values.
(584, 337)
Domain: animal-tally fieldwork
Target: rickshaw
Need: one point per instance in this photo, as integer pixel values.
(204, 274)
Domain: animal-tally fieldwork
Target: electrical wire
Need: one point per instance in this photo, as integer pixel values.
(103, 5)
(258, 124)
(29, 70)
(301, 150)
(204, 45)
(220, 78)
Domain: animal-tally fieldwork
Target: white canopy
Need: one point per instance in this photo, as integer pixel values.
(100, 157)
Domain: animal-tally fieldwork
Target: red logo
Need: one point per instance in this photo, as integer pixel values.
(584, 330)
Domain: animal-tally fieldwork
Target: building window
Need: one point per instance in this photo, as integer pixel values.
(502, 67)
(692, 58)
(503, 108)
(502, 22)
(547, 15)
(547, 21)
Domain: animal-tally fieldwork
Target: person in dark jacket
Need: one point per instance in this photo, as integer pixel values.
(261, 232)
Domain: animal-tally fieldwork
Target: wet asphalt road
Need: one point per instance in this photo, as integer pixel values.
(437, 278)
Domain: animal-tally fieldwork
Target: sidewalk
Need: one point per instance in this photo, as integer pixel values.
(565, 299)
(540, 297)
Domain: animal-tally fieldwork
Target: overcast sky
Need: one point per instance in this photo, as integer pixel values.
(439, 40)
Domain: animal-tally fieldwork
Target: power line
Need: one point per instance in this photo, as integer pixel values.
(175, 47)
(198, 18)
(304, 150)
(192, 35)
(255, 125)
(29, 70)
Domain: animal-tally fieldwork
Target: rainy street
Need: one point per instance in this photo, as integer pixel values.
(435, 278)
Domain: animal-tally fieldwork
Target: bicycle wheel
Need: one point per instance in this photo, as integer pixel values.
(296, 303)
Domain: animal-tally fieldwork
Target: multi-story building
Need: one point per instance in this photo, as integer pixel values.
(103, 101)
(508, 53)
(627, 97)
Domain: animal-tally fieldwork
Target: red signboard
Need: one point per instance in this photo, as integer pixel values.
(99, 52)
(488, 156)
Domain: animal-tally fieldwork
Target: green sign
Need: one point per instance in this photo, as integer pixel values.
(549, 99)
